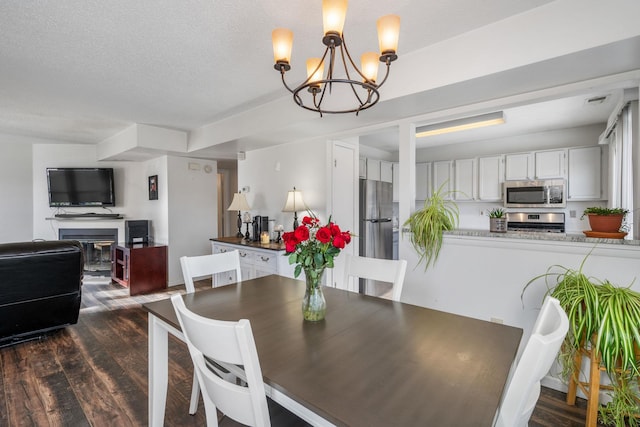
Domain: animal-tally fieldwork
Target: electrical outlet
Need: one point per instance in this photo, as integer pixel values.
(572, 214)
(497, 320)
(481, 212)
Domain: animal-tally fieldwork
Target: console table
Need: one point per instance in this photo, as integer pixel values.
(140, 267)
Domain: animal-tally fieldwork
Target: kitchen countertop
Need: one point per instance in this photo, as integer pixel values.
(233, 240)
(561, 237)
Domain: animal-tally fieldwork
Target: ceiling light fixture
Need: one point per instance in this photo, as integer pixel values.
(365, 90)
(461, 124)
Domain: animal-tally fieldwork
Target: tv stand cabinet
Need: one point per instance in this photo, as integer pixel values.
(140, 267)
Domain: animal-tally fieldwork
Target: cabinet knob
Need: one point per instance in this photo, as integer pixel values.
(243, 254)
(265, 259)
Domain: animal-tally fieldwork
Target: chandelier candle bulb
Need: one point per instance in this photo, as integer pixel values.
(388, 35)
(369, 63)
(282, 44)
(315, 70)
(334, 13)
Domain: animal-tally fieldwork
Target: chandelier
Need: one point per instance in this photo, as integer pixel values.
(361, 83)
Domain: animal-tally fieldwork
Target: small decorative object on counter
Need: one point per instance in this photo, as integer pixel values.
(497, 220)
(264, 238)
(313, 247)
(278, 229)
(247, 220)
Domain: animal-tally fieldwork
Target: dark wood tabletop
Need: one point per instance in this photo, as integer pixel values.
(371, 362)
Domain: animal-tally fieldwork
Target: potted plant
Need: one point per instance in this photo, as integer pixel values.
(605, 220)
(427, 224)
(605, 320)
(497, 220)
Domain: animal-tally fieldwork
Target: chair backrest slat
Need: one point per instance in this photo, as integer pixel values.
(383, 270)
(204, 265)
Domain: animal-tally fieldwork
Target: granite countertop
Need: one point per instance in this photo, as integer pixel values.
(560, 237)
(240, 241)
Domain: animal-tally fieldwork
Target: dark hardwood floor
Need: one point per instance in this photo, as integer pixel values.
(95, 373)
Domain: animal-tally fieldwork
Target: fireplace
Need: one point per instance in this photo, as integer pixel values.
(97, 244)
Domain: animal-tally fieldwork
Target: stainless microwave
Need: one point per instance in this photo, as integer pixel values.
(548, 193)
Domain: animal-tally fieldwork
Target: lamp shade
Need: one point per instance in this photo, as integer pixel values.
(315, 69)
(239, 203)
(370, 63)
(388, 33)
(294, 201)
(282, 39)
(334, 13)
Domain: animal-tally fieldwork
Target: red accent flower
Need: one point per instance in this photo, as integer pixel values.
(347, 237)
(307, 220)
(301, 233)
(338, 242)
(335, 230)
(290, 246)
(324, 235)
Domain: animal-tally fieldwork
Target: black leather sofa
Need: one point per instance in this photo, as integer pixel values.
(40, 288)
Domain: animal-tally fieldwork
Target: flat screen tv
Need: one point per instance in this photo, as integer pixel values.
(80, 187)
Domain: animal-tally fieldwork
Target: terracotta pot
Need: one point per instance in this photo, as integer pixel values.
(605, 223)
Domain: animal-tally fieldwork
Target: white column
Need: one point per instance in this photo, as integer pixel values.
(407, 180)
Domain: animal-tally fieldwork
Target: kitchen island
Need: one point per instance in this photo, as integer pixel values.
(485, 275)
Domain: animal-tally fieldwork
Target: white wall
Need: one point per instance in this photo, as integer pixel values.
(271, 172)
(16, 201)
(192, 211)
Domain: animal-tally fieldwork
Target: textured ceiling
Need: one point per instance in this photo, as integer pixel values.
(83, 70)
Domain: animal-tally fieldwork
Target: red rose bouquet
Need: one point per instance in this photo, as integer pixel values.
(313, 246)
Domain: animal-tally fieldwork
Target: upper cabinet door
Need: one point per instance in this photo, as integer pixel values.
(396, 181)
(551, 164)
(519, 166)
(423, 181)
(443, 176)
(465, 179)
(490, 178)
(386, 171)
(585, 173)
(373, 169)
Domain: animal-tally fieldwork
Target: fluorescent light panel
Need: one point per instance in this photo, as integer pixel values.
(467, 123)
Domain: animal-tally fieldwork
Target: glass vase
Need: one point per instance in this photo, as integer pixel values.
(314, 305)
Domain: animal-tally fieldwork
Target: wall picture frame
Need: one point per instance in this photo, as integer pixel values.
(153, 187)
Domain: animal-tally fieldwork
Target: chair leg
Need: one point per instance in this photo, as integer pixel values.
(195, 394)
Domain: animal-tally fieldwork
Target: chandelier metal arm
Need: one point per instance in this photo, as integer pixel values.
(343, 50)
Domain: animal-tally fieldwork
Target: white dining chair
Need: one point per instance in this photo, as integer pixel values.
(384, 270)
(204, 265)
(541, 350)
(230, 343)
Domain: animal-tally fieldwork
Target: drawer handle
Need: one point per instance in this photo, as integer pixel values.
(265, 259)
(243, 254)
(223, 251)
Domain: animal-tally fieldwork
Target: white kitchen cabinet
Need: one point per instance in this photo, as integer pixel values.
(490, 178)
(363, 168)
(396, 181)
(443, 177)
(585, 173)
(465, 172)
(254, 263)
(373, 169)
(519, 166)
(386, 171)
(551, 164)
(423, 181)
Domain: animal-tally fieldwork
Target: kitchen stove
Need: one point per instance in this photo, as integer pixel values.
(538, 222)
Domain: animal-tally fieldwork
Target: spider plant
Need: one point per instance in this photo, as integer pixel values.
(428, 223)
(606, 318)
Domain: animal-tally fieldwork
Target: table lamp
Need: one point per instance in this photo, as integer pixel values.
(293, 204)
(239, 203)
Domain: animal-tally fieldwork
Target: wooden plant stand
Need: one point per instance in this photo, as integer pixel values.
(592, 387)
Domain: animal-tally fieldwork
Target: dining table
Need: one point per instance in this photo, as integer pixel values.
(370, 362)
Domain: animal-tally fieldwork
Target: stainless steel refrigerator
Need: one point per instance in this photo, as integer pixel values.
(376, 234)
